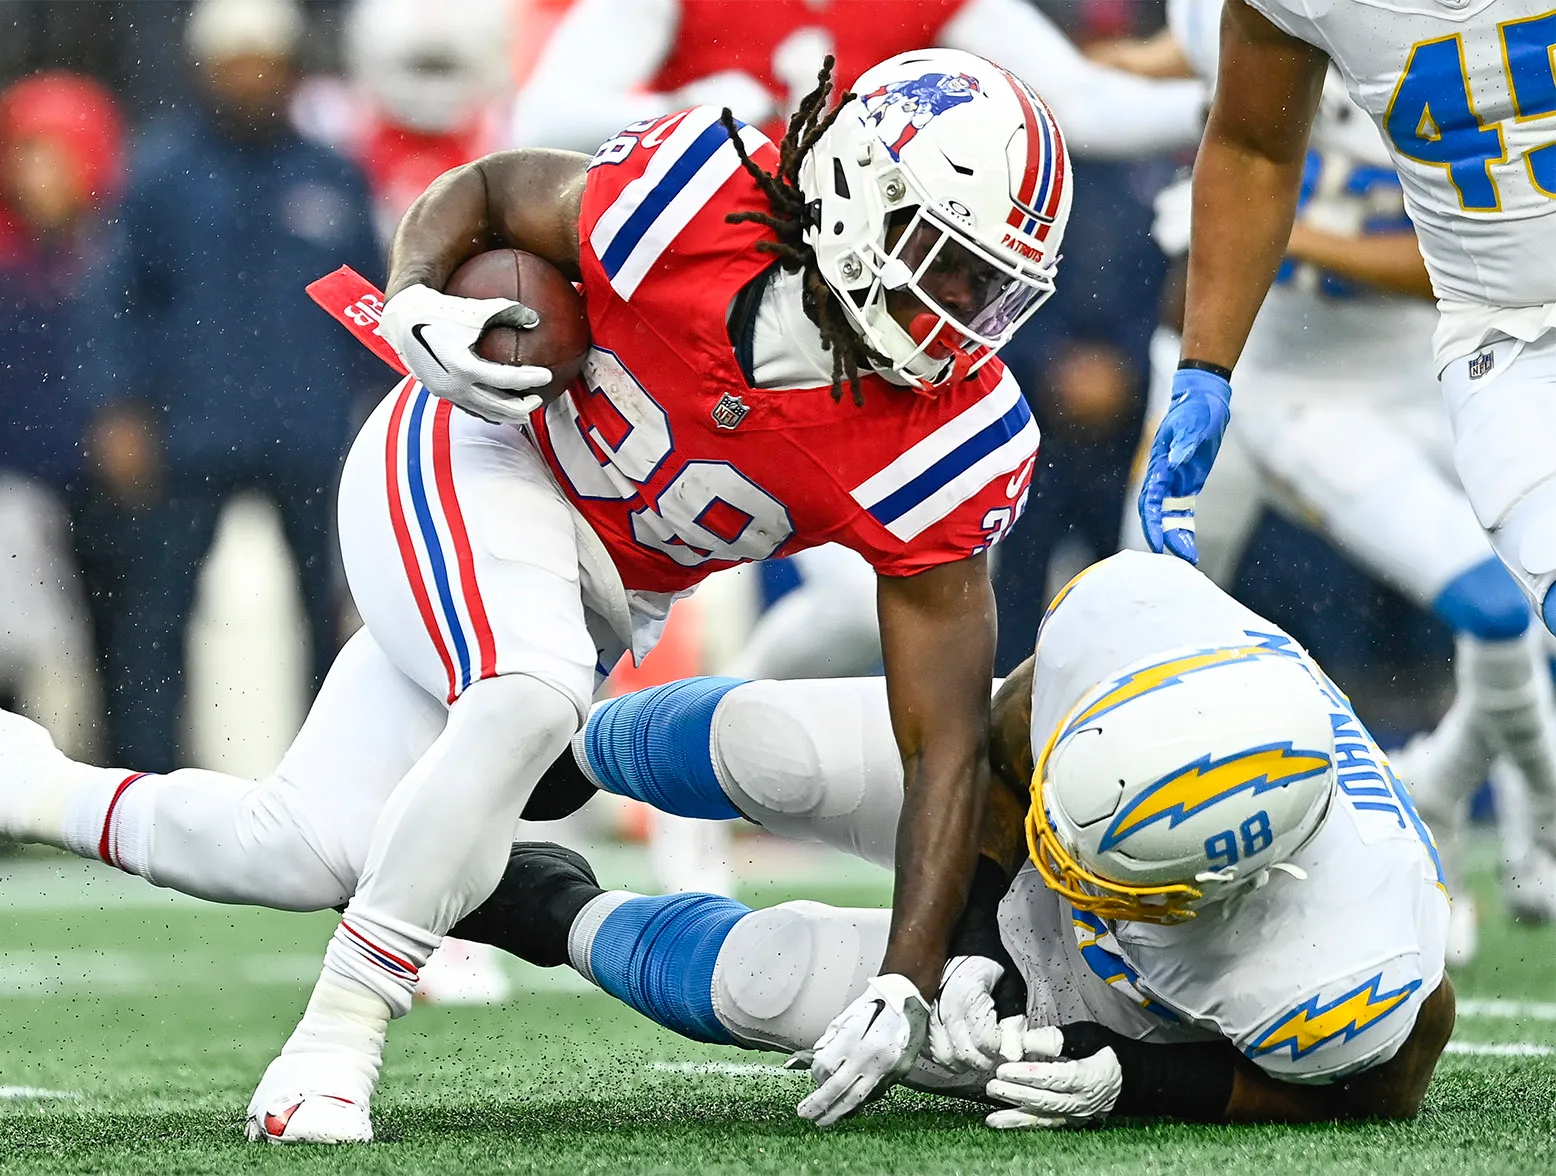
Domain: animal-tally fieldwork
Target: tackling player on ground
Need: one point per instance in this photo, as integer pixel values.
(1231, 911)
(792, 345)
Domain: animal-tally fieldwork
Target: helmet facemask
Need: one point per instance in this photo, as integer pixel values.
(936, 203)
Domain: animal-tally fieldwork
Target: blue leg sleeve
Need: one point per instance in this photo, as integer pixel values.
(657, 955)
(1484, 602)
(655, 745)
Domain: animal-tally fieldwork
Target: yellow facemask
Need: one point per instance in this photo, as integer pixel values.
(1085, 890)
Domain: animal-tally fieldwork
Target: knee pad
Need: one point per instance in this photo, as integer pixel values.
(786, 971)
(1525, 539)
(813, 761)
(656, 746)
(1484, 602)
(659, 955)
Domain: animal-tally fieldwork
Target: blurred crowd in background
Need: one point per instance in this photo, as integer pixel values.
(172, 175)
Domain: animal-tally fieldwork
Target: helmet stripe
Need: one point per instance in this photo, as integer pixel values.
(1042, 184)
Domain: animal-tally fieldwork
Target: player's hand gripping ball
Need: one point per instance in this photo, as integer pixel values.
(507, 337)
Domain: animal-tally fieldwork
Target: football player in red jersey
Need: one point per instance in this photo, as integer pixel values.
(613, 62)
(791, 345)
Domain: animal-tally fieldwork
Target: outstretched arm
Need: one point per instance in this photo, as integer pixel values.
(1103, 112)
(1246, 179)
(937, 641)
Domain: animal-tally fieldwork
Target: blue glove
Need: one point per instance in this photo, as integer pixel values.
(1182, 453)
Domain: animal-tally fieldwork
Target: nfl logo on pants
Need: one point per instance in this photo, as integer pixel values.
(730, 411)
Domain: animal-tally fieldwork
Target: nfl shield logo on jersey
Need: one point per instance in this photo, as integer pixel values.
(730, 411)
(1482, 364)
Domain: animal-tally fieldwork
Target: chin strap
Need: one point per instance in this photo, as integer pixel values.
(927, 329)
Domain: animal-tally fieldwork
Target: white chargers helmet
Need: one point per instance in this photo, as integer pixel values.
(1182, 781)
(942, 165)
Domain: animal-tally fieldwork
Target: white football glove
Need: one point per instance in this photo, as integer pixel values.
(866, 1049)
(965, 1032)
(1051, 1094)
(434, 335)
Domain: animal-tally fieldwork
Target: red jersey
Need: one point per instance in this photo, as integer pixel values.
(781, 43)
(680, 465)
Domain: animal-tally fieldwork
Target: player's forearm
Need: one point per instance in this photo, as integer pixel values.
(937, 849)
(1385, 261)
(1246, 179)
(523, 199)
(937, 644)
(1243, 210)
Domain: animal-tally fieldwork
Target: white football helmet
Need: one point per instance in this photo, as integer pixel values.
(433, 65)
(943, 164)
(1182, 781)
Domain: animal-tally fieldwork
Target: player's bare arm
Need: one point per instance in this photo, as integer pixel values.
(1246, 179)
(1390, 262)
(1156, 56)
(937, 641)
(525, 199)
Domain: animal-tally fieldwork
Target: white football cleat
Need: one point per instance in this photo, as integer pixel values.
(313, 1096)
(463, 973)
(311, 1118)
(1530, 889)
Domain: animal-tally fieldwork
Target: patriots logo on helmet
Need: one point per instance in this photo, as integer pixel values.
(899, 110)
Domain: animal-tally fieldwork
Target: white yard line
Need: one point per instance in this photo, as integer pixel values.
(1500, 1049)
(731, 1069)
(1511, 1010)
(19, 1092)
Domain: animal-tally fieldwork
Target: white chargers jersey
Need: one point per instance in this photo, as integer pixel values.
(1463, 92)
(1312, 979)
(1319, 333)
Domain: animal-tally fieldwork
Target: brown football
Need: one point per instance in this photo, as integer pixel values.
(560, 342)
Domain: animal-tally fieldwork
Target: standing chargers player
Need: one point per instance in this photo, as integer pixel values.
(1462, 93)
(791, 346)
(1339, 427)
(1231, 912)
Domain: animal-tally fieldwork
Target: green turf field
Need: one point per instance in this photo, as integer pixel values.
(134, 1024)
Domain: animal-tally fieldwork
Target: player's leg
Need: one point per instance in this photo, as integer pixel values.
(807, 760)
(702, 965)
(1501, 404)
(1228, 508)
(461, 556)
(295, 840)
(1366, 476)
(824, 628)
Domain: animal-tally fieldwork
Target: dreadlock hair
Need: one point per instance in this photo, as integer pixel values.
(786, 217)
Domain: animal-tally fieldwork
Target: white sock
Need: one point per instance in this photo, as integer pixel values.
(580, 936)
(1507, 685)
(381, 955)
(98, 819)
(347, 1022)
